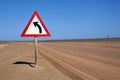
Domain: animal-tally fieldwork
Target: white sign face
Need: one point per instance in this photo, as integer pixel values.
(35, 27)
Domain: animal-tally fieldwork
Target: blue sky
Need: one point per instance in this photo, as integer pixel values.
(65, 19)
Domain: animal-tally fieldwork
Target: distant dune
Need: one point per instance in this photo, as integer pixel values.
(71, 40)
(94, 39)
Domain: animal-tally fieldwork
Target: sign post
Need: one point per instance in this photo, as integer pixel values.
(35, 28)
(36, 52)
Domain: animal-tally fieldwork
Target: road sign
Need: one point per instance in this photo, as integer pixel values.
(35, 27)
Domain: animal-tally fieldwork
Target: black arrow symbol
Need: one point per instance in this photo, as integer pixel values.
(36, 24)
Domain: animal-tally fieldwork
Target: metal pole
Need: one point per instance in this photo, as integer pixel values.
(36, 52)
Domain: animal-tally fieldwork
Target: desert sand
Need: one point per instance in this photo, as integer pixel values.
(61, 60)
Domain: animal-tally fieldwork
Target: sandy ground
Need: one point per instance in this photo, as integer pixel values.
(88, 60)
(17, 61)
(80, 60)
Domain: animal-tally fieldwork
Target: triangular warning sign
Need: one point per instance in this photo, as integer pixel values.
(35, 27)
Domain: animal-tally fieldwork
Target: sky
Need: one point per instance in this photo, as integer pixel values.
(64, 19)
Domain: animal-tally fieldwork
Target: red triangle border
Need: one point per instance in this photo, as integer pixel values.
(35, 35)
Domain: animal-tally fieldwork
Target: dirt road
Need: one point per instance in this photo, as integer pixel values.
(17, 63)
(67, 60)
(87, 60)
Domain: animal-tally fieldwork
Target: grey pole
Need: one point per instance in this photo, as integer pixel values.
(36, 52)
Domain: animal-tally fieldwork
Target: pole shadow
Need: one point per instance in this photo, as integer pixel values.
(23, 62)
